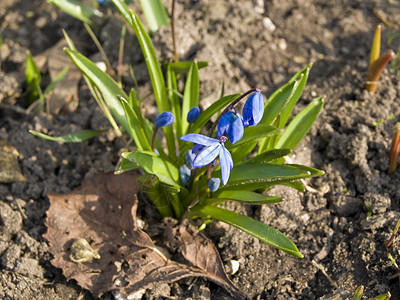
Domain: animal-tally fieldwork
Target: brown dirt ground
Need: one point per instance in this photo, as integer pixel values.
(350, 141)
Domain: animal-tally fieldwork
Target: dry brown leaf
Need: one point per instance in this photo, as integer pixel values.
(103, 213)
(201, 252)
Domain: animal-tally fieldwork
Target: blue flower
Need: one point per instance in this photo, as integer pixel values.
(193, 114)
(102, 2)
(253, 109)
(213, 184)
(231, 124)
(165, 119)
(212, 149)
(184, 174)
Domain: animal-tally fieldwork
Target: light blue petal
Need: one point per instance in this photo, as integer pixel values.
(226, 163)
(223, 123)
(207, 155)
(248, 111)
(258, 108)
(236, 129)
(199, 139)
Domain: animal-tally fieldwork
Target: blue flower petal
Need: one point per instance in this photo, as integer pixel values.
(223, 123)
(231, 124)
(199, 139)
(253, 109)
(193, 114)
(165, 119)
(226, 163)
(236, 130)
(207, 155)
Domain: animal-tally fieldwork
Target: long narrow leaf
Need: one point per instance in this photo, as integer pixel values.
(206, 115)
(105, 84)
(253, 134)
(155, 14)
(136, 129)
(246, 197)
(254, 176)
(56, 79)
(300, 125)
(152, 164)
(156, 76)
(33, 78)
(182, 67)
(190, 96)
(174, 99)
(77, 9)
(301, 81)
(75, 137)
(268, 156)
(263, 232)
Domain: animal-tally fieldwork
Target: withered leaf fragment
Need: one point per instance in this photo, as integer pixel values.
(103, 211)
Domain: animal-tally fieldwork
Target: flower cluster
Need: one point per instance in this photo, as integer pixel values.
(230, 126)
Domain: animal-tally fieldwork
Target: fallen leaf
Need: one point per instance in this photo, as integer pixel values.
(201, 252)
(103, 212)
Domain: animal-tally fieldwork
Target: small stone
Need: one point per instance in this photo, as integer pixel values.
(10, 256)
(268, 24)
(232, 266)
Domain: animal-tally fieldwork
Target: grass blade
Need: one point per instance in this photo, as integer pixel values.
(75, 137)
(155, 14)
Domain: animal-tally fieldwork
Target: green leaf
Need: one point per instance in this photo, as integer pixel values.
(183, 67)
(156, 76)
(152, 164)
(155, 14)
(174, 99)
(75, 137)
(300, 125)
(276, 102)
(191, 95)
(77, 9)
(301, 80)
(246, 197)
(263, 232)
(105, 84)
(59, 77)
(33, 78)
(214, 108)
(126, 165)
(254, 176)
(269, 156)
(136, 128)
(252, 133)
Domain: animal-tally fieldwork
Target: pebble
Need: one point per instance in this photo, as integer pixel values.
(268, 24)
(232, 266)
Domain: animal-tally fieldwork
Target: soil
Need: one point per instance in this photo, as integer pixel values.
(251, 43)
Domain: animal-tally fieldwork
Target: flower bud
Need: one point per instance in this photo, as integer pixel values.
(165, 119)
(184, 174)
(213, 184)
(253, 109)
(193, 114)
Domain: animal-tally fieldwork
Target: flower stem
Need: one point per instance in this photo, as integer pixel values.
(230, 106)
(153, 141)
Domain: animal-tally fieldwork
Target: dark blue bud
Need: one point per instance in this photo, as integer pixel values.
(253, 109)
(184, 174)
(165, 119)
(231, 124)
(213, 184)
(102, 2)
(193, 114)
